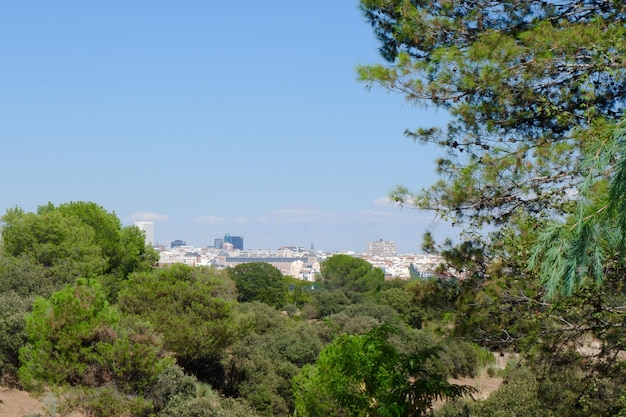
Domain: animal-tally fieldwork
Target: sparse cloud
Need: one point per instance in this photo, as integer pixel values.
(147, 216)
(210, 220)
(383, 202)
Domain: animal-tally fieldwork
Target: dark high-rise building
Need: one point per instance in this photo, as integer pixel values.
(218, 243)
(179, 242)
(236, 241)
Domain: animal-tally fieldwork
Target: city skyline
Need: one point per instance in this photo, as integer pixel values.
(169, 113)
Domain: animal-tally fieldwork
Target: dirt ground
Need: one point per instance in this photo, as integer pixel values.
(14, 403)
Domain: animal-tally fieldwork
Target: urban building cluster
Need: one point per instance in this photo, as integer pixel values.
(290, 260)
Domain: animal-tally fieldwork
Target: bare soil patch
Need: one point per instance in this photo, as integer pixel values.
(15, 403)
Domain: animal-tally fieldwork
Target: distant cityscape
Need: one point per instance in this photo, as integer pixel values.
(298, 262)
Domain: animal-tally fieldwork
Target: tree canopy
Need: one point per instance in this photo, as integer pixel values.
(530, 86)
(259, 281)
(76, 239)
(366, 375)
(349, 273)
(188, 307)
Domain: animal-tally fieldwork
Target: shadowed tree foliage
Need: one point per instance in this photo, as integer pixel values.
(189, 308)
(259, 281)
(269, 352)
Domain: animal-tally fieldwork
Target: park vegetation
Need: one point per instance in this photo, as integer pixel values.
(534, 173)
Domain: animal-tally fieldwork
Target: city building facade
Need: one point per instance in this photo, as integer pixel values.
(148, 230)
(382, 248)
(236, 241)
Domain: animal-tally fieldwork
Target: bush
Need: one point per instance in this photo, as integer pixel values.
(465, 359)
(171, 388)
(77, 338)
(210, 407)
(102, 402)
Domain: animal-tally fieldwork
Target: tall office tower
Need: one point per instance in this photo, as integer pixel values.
(382, 248)
(148, 230)
(218, 243)
(236, 241)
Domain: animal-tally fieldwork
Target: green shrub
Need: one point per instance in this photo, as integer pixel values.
(210, 407)
(77, 338)
(172, 387)
(102, 402)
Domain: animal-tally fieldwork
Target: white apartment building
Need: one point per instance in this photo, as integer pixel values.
(148, 229)
(382, 248)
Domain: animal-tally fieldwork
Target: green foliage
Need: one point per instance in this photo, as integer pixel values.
(77, 239)
(24, 277)
(13, 309)
(63, 246)
(360, 318)
(402, 302)
(434, 296)
(207, 407)
(463, 359)
(172, 388)
(521, 113)
(76, 338)
(589, 243)
(577, 360)
(298, 291)
(184, 306)
(262, 363)
(517, 397)
(366, 375)
(351, 274)
(259, 281)
(42, 252)
(329, 302)
(102, 402)
(500, 313)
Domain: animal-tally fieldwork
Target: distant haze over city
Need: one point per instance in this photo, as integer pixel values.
(349, 237)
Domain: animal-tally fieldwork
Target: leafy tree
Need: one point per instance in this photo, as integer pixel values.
(62, 245)
(262, 362)
(348, 273)
(77, 338)
(259, 281)
(77, 239)
(529, 86)
(298, 291)
(13, 309)
(366, 375)
(41, 252)
(330, 302)
(123, 248)
(588, 245)
(401, 300)
(184, 305)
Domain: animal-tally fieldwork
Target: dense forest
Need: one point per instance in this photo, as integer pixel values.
(533, 172)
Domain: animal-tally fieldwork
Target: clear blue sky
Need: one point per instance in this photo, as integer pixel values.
(209, 118)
